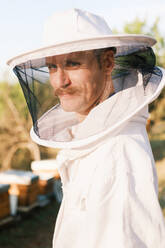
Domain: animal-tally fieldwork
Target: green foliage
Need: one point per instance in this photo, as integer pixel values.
(17, 96)
(14, 92)
(135, 27)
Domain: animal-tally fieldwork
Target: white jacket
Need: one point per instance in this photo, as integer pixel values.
(108, 173)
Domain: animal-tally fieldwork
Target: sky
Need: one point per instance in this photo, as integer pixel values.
(21, 21)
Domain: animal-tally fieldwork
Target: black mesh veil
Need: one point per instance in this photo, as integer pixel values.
(38, 93)
(34, 78)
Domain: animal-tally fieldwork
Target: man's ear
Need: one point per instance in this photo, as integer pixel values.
(108, 61)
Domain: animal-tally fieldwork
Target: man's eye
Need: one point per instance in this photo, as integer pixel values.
(72, 64)
(51, 66)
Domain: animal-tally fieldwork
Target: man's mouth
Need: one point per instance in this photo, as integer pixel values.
(68, 92)
(64, 95)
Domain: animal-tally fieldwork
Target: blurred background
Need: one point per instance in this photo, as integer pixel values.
(21, 24)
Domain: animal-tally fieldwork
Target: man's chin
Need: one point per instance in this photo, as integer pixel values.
(68, 107)
(68, 104)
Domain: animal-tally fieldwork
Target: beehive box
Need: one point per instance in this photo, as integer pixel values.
(46, 183)
(25, 183)
(4, 201)
(49, 166)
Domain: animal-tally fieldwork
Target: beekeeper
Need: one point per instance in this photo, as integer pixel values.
(88, 92)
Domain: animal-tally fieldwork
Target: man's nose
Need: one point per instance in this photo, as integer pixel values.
(62, 79)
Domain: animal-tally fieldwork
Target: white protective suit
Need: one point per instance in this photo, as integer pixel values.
(108, 173)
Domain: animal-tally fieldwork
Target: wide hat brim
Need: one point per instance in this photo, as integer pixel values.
(121, 42)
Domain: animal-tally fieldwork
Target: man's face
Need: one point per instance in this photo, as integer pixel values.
(77, 79)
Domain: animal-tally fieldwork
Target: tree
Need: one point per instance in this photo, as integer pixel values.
(14, 125)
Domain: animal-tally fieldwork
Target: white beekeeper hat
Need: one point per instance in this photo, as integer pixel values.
(78, 30)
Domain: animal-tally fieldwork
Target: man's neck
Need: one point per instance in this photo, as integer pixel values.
(81, 117)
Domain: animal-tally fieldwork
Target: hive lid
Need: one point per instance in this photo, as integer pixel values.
(17, 177)
(47, 164)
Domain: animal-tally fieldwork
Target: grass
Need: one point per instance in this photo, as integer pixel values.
(158, 148)
(34, 231)
(162, 195)
(157, 140)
